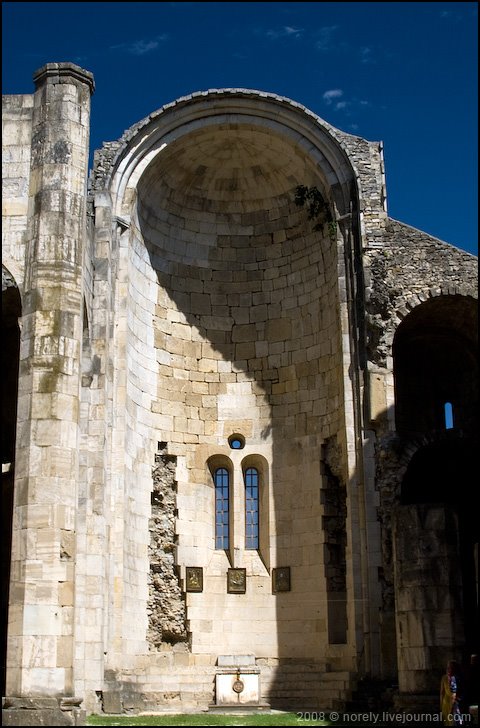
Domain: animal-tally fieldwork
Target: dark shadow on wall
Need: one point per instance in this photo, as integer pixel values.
(435, 353)
(446, 472)
(426, 474)
(11, 312)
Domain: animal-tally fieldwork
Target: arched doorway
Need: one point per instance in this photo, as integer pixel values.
(435, 531)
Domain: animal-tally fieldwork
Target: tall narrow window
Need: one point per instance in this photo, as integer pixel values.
(221, 479)
(251, 509)
(448, 412)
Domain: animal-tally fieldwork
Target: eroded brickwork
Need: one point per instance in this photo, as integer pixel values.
(166, 606)
(406, 269)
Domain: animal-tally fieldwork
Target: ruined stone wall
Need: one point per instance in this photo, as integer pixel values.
(166, 605)
(17, 113)
(367, 160)
(404, 268)
(214, 307)
(409, 267)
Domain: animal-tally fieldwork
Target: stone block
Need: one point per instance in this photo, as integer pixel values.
(236, 660)
(43, 711)
(112, 702)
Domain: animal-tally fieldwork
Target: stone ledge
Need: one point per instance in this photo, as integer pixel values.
(38, 711)
(62, 73)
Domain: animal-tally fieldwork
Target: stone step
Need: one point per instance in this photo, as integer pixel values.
(294, 687)
(371, 695)
(297, 689)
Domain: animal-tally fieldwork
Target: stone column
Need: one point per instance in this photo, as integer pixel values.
(40, 640)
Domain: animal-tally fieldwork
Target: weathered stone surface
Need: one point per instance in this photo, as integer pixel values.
(112, 702)
(182, 299)
(428, 588)
(42, 711)
(166, 608)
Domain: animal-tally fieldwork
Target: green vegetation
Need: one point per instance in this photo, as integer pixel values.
(317, 207)
(307, 718)
(206, 719)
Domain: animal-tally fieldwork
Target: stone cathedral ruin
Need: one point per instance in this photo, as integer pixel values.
(239, 415)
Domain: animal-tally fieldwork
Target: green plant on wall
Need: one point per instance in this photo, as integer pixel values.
(317, 207)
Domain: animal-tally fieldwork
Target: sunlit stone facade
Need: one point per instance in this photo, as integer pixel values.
(176, 321)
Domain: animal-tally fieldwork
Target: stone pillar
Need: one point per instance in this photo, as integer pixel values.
(40, 639)
(428, 603)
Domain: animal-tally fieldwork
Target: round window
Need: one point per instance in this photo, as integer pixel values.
(236, 442)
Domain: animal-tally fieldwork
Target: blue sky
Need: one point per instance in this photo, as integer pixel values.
(404, 73)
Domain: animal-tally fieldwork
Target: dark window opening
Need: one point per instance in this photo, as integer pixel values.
(448, 413)
(221, 480)
(236, 442)
(251, 509)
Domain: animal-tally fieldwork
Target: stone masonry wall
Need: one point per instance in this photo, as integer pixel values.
(403, 269)
(409, 267)
(227, 319)
(17, 115)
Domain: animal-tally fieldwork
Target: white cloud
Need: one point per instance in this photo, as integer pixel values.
(325, 41)
(451, 15)
(335, 99)
(292, 31)
(334, 93)
(366, 55)
(140, 47)
(143, 46)
(286, 32)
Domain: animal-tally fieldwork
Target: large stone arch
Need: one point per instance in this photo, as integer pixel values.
(278, 115)
(224, 280)
(435, 361)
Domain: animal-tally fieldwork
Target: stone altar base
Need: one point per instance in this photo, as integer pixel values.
(237, 685)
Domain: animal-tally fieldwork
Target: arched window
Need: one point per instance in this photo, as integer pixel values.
(221, 479)
(251, 508)
(448, 415)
